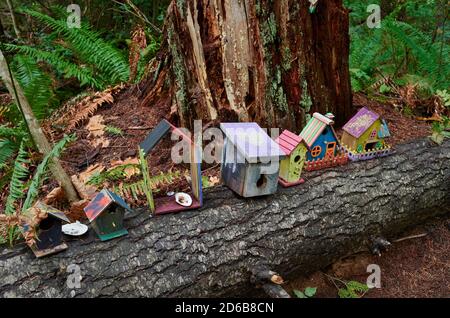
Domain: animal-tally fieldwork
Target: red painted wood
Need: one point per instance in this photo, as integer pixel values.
(286, 184)
(168, 205)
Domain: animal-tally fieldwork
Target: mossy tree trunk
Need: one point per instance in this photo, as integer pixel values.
(267, 61)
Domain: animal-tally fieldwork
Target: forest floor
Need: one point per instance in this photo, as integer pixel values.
(417, 267)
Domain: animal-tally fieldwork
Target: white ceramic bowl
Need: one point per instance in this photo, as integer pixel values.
(183, 199)
(74, 229)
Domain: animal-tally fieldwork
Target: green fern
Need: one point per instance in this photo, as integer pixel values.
(84, 74)
(36, 84)
(115, 131)
(41, 170)
(353, 289)
(113, 175)
(89, 47)
(146, 180)
(16, 186)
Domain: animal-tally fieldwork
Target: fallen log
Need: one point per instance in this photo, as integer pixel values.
(214, 251)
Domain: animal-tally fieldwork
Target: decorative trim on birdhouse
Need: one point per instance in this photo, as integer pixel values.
(325, 150)
(325, 163)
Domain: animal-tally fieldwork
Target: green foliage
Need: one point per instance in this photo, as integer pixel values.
(89, 47)
(205, 182)
(115, 131)
(146, 180)
(353, 289)
(16, 185)
(39, 175)
(20, 189)
(309, 292)
(410, 47)
(444, 96)
(441, 130)
(84, 74)
(112, 175)
(36, 85)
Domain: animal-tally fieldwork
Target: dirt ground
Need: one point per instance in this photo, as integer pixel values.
(412, 268)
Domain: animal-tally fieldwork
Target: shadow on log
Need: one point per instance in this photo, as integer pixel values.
(212, 252)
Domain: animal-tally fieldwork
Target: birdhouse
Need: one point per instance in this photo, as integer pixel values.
(324, 148)
(106, 213)
(250, 160)
(169, 204)
(365, 136)
(47, 233)
(295, 149)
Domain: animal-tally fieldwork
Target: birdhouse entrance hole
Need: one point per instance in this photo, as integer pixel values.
(371, 146)
(47, 224)
(262, 181)
(297, 159)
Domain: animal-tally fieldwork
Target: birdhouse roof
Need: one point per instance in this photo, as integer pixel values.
(101, 202)
(315, 127)
(289, 141)
(158, 133)
(252, 141)
(362, 121)
(51, 211)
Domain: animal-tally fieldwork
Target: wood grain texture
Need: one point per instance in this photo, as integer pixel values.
(211, 252)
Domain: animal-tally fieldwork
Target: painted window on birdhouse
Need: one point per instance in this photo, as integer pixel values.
(374, 134)
(317, 150)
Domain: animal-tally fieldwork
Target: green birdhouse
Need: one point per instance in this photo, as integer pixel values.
(106, 213)
(291, 166)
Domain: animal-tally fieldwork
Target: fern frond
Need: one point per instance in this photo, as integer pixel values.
(146, 180)
(37, 85)
(39, 175)
(89, 47)
(7, 150)
(85, 74)
(16, 186)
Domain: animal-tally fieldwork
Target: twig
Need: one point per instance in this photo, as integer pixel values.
(410, 237)
(138, 128)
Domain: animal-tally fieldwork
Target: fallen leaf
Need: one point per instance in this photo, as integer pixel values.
(97, 131)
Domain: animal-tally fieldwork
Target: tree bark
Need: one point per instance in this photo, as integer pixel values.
(271, 62)
(36, 132)
(215, 251)
(13, 18)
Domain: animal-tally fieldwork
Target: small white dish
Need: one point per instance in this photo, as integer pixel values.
(74, 229)
(183, 199)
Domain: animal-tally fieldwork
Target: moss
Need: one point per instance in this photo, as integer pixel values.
(179, 72)
(181, 4)
(287, 58)
(275, 93)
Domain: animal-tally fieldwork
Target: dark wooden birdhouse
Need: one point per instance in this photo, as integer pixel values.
(250, 160)
(168, 204)
(106, 213)
(48, 231)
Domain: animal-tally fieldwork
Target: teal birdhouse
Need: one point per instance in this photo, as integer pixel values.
(106, 213)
